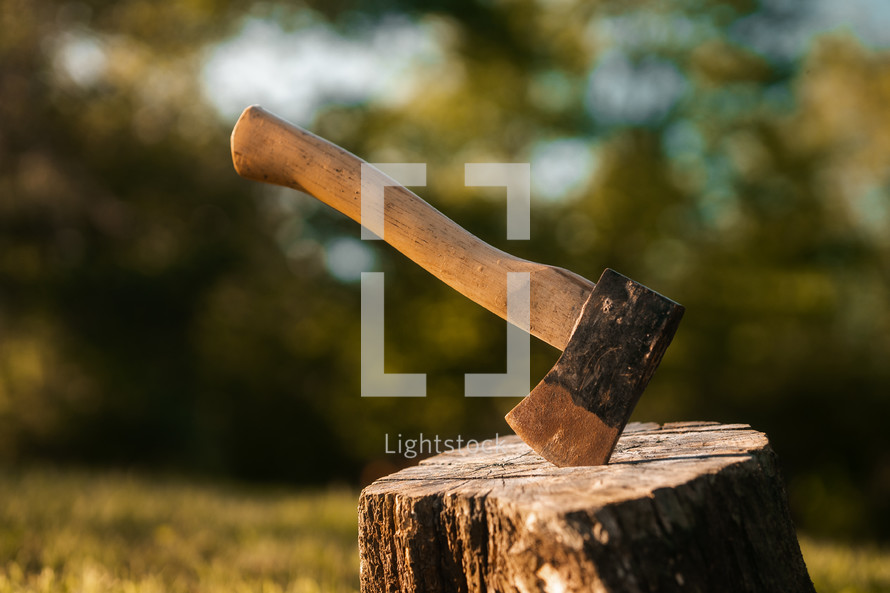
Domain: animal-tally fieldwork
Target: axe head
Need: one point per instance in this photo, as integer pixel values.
(576, 413)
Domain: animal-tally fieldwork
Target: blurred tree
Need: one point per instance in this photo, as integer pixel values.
(142, 300)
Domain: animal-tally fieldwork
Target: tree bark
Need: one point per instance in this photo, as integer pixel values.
(690, 506)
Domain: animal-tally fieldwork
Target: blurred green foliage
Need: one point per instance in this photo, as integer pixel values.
(157, 310)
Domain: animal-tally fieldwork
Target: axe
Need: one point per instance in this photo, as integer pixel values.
(612, 334)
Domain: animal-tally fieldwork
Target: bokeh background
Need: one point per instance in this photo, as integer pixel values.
(158, 312)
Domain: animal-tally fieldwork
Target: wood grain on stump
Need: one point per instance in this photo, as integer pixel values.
(681, 507)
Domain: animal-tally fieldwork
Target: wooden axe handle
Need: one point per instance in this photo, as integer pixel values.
(270, 149)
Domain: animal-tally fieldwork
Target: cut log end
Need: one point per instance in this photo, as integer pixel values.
(692, 506)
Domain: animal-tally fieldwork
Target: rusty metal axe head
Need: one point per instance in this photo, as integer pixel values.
(576, 413)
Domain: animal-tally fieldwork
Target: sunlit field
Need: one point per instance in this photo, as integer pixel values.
(840, 568)
(82, 531)
(76, 531)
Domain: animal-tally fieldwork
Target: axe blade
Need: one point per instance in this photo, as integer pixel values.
(576, 413)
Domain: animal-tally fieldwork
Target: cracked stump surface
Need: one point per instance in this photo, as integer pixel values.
(691, 506)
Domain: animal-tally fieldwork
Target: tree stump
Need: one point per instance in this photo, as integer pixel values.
(689, 506)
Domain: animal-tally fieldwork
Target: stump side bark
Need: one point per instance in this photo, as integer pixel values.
(681, 507)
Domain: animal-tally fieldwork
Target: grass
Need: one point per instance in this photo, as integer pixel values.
(838, 568)
(85, 532)
(64, 530)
